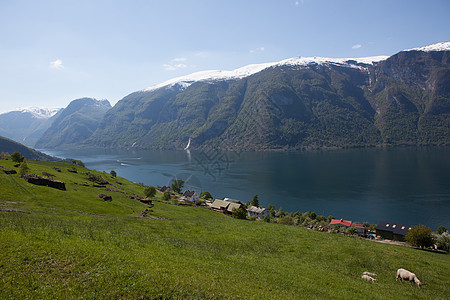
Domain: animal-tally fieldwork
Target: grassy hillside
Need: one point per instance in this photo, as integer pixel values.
(10, 146)
(72, 244)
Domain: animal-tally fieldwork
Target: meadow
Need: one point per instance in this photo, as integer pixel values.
(72, 244)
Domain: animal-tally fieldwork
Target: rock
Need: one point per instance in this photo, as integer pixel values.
(41, 180)
(105, 197)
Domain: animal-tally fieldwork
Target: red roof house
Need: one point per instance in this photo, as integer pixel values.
(341, 222)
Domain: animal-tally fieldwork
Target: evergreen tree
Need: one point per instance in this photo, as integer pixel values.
(255, 201)
(23, 168)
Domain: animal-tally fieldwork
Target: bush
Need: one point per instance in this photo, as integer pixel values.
(150, 192)
(420, 236)
(78, 162)
(443, 241)
(441, 230)
(206, 195)
(239, 213)
(113, 173)
(286, 220)
(166, 195)
(352, 230)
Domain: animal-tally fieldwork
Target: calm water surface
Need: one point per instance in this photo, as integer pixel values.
(405, 185)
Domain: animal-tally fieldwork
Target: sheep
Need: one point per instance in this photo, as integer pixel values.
(370, 274)
(368, 278)
(407, 275)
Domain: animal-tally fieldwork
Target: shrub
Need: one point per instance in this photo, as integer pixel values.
(23, 168)
(206, 195)
(352, 230)
(150, 192)
(420, 236)
(286, 220)
(443, 241)
(78, 162)
(239, 213)
(166, 195)
(113, 173)
(441, 229)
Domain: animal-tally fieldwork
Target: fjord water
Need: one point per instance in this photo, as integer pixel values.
(404, 185)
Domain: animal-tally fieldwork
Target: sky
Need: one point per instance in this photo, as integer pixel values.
(52, 52)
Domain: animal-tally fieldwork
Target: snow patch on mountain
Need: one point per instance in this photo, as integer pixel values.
(216, 75)
(39, 112)
(444, 46)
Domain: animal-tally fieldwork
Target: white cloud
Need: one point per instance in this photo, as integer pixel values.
(56, 64)
(179, 59)
(260, 49)
(297, 3)
(357, 46)
(173, 66)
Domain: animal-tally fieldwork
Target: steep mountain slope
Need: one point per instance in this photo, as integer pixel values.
(74, 124)
(299, 103)
(26, 125)
(10, 146)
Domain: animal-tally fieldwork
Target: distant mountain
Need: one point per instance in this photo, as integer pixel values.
(74, 124)
(26, 125)
(10, 146)
(299, 103)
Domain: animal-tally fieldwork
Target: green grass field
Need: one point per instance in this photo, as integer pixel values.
(72, 244)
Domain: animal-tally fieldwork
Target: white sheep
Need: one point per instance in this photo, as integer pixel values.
(370, 274)
(407, 275)
(368, 278)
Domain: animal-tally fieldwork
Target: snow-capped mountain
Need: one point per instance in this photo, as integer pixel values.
(217, 75)
(39, 112)
(26, 125)
(444, 46)
(297, 103)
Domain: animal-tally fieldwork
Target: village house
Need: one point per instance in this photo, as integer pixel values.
(392, 231)
(226, 205)
(258, 212)
(190, 196)
(341, 223)
(361, 230)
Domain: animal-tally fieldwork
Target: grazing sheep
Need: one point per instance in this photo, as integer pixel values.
(368, 278)
(370, 274)
(407, 275)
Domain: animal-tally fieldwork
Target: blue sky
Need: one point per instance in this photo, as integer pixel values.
(53, 52)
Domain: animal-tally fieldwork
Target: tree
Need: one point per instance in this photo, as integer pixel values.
(23, 168)
(177, 185)
(255, 201)
(443, 241)
(238, 213)
(78, 162)
(206, 195)
(17, 157)
(441, 229)
(113, 173)
(420, 236)
(166, 195)
(150, 191)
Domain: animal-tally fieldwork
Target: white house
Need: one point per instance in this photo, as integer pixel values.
(259, 212)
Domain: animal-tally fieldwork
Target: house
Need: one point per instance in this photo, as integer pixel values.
(220, 205)
(392, 231)
(259, 212)
(190, 196)
(165, 188)
(361, 230)
(341, 222)
(234, 205)
(226, 206)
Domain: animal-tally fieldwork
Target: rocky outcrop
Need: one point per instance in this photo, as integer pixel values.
(45, 181)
